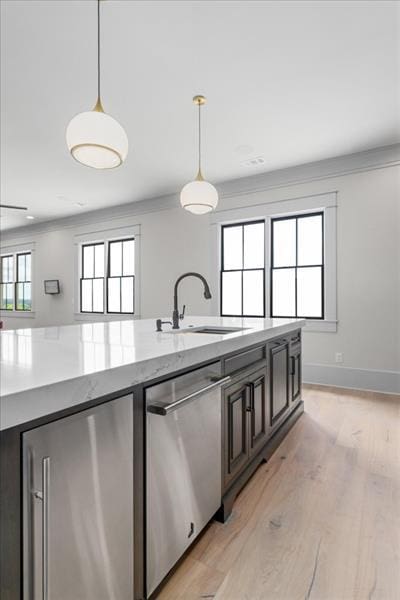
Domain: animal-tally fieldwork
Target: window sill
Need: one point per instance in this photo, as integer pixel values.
(19, 314)
(317, 325)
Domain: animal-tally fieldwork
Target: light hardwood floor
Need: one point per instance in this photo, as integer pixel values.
(319, 521)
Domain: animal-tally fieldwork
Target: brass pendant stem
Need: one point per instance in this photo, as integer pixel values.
(98, 107)
(199, 176)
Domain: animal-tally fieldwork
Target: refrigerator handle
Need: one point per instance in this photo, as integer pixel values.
(45, 526)
(44, 497)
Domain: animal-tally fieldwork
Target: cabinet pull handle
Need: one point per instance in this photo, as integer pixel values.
(293, 358)
(250, 387)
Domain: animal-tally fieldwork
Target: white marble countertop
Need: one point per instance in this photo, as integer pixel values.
(45, 370)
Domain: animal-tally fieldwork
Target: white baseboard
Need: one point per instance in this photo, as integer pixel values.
(360, 379)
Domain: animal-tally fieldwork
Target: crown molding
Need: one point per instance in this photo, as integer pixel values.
(338, 166)
(376, 158)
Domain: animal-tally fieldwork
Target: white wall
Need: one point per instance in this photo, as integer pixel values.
(174, 241)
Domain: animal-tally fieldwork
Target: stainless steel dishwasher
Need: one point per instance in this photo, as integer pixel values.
(183, 464)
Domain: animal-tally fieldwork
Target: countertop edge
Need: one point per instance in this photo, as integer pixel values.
(75, 391)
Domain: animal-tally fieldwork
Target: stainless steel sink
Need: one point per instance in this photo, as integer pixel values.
(210, 329)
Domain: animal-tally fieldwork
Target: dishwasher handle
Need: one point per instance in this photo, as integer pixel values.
(168, 408)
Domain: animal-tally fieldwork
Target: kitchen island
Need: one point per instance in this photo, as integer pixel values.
(86, 403)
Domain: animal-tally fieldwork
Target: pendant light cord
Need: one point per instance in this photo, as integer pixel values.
(98, 107)
(200, 176)
(98, 49)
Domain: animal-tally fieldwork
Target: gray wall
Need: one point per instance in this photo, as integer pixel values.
(173, 241)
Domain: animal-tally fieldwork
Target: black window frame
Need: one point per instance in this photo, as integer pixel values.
(296, 266)
(120, 277)
(223, 270)
(4, 283)
(19, 281)
(107, 266)
(82, 278)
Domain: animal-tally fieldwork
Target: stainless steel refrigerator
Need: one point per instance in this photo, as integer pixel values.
(78, 506)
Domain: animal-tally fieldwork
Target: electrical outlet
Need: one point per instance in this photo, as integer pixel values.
(338, 357)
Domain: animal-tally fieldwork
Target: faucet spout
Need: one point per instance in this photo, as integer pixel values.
(207, 295)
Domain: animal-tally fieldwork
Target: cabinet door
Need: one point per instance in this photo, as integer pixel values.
(78, 505)
(279, 381)
(236, 408)
(258, 417)
(295, 375)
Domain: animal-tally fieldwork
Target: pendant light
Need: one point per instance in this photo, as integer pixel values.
(94, 138)
(199, 196)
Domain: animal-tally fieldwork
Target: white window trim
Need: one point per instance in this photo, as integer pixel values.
(320, 202)
(14, 250)
(106, 235)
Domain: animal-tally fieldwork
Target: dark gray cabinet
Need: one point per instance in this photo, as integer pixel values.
(259, 427)
(236, 407)
(279, 396)
(295, 368)
(245, 422)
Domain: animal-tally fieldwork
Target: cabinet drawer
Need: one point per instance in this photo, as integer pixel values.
(244, 359)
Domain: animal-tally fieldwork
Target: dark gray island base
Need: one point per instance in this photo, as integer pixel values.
(260, 396)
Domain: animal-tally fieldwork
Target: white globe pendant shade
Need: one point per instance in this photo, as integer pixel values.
(97, 140)
(199, 197)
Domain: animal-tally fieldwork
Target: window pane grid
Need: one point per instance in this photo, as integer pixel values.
(7, 283)
(242, 278)
(310, 274)
(120, 294)
(15, 285)
(92, 295)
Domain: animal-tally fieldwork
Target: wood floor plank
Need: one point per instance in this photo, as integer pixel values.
(319, 521)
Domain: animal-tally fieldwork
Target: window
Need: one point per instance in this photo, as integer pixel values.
(23, 296)
(243, 270)
(313, 269)
(118, 286)
(16, 286)
(297, 266)
(121, 276)
(7, 282)
(92, 280)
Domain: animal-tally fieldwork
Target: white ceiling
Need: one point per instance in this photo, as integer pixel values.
(293, 82)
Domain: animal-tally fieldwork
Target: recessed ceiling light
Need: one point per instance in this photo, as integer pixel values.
(30, 217)
(257, 161)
